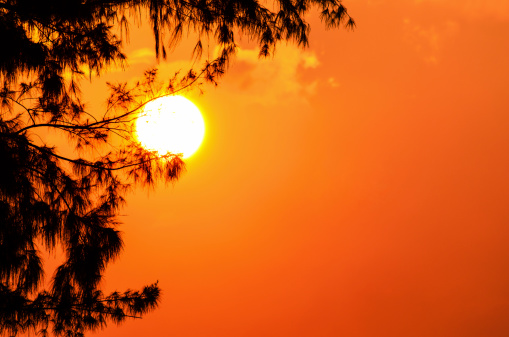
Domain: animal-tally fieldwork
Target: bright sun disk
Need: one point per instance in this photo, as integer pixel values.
(171, 124)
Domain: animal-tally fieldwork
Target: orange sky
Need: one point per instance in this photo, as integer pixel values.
(357, 188)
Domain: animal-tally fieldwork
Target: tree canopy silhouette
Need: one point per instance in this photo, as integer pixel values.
(50, 201)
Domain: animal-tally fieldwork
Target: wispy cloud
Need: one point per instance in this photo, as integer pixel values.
(427, 41)
(476, 9)
(332, 82)
(264, 81)
(267, 81)
(141, 56)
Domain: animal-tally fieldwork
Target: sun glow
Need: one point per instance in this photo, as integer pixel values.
(171, 124)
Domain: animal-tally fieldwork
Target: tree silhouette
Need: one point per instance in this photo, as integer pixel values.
(50, 201)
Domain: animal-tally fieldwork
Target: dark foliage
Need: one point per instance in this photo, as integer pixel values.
(51, 201)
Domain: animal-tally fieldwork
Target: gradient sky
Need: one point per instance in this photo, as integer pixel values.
(356, 188)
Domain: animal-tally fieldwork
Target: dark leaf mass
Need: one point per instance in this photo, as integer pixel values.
(50, 201)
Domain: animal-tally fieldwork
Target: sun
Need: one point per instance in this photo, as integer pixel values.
(171, 124)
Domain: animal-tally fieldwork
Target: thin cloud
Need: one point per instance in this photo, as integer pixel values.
(141, 56)
(267, 81)
(427, 41)
(475, 9)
